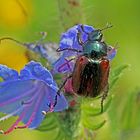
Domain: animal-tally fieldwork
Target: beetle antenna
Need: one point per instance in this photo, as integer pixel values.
(10, 38)
(107, 27)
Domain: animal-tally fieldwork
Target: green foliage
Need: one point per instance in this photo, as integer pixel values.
(125, 124)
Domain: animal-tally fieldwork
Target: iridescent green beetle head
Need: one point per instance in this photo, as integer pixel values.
(97, 35)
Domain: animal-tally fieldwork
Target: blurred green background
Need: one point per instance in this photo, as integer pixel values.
(24, 19)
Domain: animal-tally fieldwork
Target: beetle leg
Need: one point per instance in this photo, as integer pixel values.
(79, 38)
(70, 49)
(51, 106)
(102, 102)
(63, 84)
(103, 98)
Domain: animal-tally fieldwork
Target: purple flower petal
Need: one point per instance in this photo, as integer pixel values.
(7, 73)
(30, 93)
(111, 53)
(69, 38)
(13, 93)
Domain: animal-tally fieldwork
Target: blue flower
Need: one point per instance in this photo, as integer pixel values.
(45, 50)
(65, 63)
(29, 95)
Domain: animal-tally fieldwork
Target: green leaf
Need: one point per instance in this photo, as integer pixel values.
(107, 103)
(116, 73)
(59, 136)
(131, 111)
(48, 123)
(94, 126)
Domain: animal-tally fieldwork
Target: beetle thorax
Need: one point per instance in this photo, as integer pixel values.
(95, 49)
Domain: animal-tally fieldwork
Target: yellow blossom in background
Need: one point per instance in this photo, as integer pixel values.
(14, 12)
(12, 55)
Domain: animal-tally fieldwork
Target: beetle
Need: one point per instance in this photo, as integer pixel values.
(91, 70)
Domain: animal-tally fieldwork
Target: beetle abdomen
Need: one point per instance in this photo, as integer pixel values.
(90, 80)
(90, 77)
